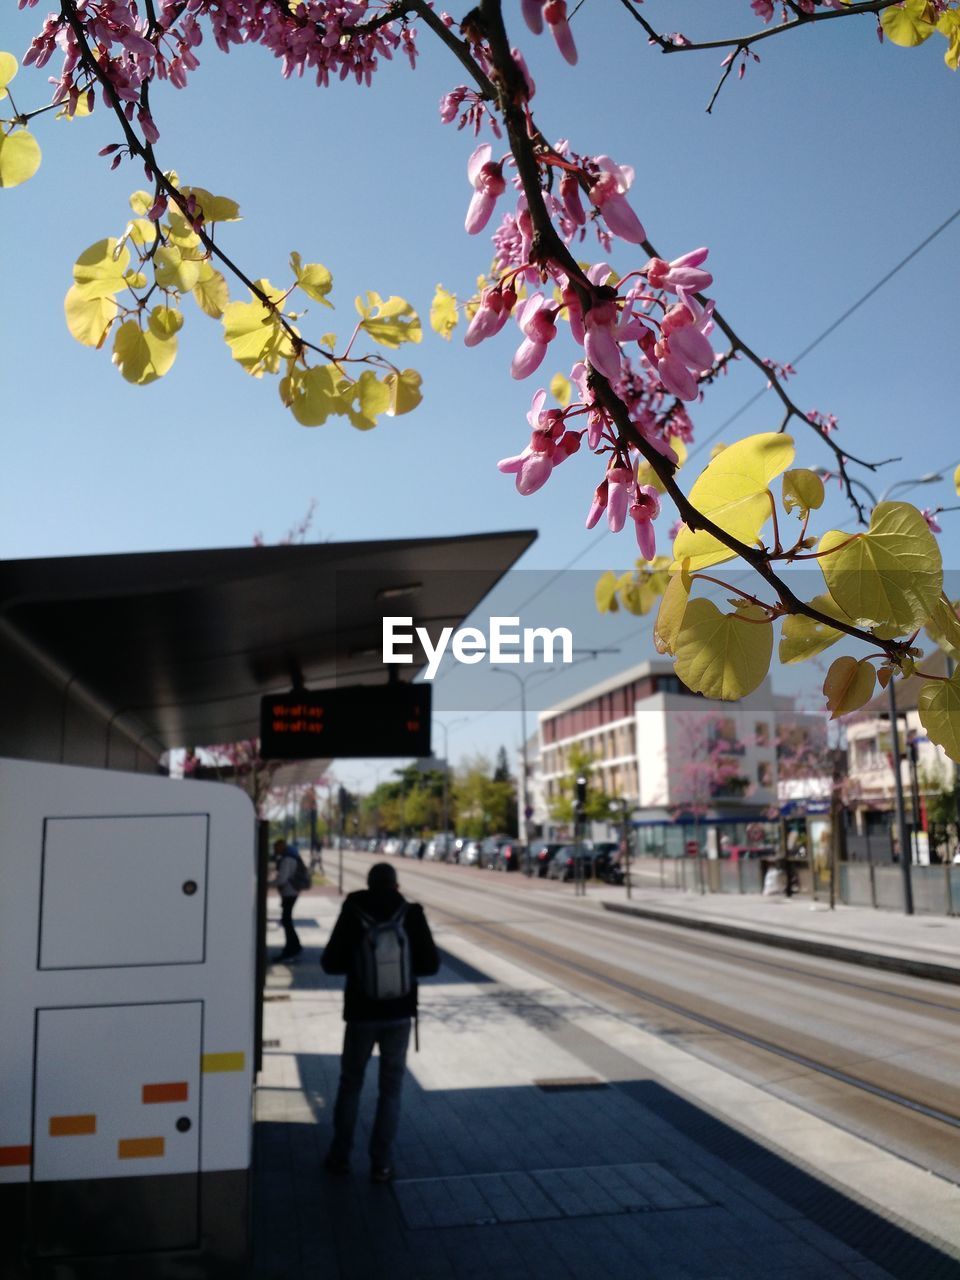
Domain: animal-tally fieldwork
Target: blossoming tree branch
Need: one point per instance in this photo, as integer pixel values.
(645, 332)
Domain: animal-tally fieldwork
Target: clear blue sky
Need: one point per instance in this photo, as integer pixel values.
(830, 161)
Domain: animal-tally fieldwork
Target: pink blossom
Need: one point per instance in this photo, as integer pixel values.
(644, 510)
(532, 11)
(682, 272)
(599, 504)
(570, 197)
(607, 193)
(555, 16)
(620, 483)
(490, 316)
(488, 183)
(762, 8)
(931, 518)
(533, 467)
(600, 342)
(538, 322)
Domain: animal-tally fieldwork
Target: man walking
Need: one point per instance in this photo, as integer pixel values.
(287, 859)
(383, 944)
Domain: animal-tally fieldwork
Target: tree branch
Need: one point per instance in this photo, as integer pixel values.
(666, 45)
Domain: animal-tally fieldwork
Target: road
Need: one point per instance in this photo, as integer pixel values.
(874, 1053)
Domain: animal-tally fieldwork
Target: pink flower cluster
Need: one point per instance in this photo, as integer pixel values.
(330, 38)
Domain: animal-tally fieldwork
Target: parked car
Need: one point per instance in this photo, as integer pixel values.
(414, 848)
(541, 856)
(562, 865)
(490, 851)
(393, 847)
(513, 856)
(470, 853)
(606, 861)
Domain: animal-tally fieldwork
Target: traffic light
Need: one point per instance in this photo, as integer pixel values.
(581, 794)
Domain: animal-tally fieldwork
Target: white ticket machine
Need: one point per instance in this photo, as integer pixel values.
(127, 1003)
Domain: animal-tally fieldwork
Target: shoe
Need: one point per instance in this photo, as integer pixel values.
(381, 1173)
(336, 1164)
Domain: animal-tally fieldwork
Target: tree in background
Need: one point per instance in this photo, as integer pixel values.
(596, 807)
(484, 805)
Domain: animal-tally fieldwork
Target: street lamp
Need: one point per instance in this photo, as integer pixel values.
(446, 778)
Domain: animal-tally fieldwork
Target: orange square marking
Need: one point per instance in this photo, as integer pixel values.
(138, 1148)
(10, 1156)
(175, 1091)
(72, 1126)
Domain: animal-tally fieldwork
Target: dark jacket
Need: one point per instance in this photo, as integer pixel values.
(342, 951)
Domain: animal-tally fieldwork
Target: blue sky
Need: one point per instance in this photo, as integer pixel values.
(830, 161)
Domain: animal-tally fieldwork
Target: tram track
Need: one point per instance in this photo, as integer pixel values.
(918, 1123)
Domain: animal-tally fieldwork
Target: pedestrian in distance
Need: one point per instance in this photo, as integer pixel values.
(288, 881)
(382, 943)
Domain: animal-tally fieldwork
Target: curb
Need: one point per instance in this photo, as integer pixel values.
(830, 950)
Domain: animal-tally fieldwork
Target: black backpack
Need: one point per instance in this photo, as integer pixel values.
(301, 878)
(384, 969)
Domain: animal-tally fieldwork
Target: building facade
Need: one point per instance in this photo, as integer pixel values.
(676, 758)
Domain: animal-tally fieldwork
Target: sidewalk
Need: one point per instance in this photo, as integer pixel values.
(545, 1137)
(925, 946)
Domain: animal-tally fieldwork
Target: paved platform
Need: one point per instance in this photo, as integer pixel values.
(923, 945)
(545, 1137)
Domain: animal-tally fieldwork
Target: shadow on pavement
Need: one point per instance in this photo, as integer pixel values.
(516, 1181)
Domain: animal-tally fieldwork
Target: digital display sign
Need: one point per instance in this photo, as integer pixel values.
(356, 722)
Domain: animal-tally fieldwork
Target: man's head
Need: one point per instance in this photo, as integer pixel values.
(382, 878)
(279, 847)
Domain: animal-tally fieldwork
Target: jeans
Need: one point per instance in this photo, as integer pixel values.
(291, 943)
(358, 1042)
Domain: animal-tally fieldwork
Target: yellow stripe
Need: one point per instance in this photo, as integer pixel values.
(136, 1148)
(71, 1126)
(222, 1062)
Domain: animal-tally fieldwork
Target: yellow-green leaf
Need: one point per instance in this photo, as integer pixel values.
(723, 655)
(256, 337)
(803, 490)
(733, 492)
(142, 231)
(211, 293)
(605, 593)
(89, 319)
(802, 637)
(673, 606)
(314, 279)
(135, 280)
(561, 389)
(443, 313)
(943, 627)
(174, 270)
(100, 271)
(373, 397)
(910, 25)
(165, 322)
(19, 157)
(849, 684)
(956, 480)
(312, 395)
(8, 69)
(939, 711)
(142, 356)
(890, 576)
(404, 391)
(949, 26)
(389, 321)
(214, 208)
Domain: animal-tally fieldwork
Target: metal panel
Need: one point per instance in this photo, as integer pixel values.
(122, 891)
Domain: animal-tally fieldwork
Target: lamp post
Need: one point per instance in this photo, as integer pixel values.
(446, 778)
(522, 682)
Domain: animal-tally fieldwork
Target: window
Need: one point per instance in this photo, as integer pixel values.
(764, 774)
(762, 733)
